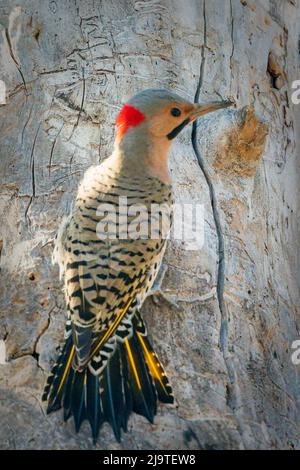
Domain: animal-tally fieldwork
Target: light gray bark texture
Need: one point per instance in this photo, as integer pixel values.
(68, 66)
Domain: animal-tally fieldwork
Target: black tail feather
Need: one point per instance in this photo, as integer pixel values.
(133, 380)
(67, 403)
(112, 398)
(162, 385)
(78, 401)
(126, 389)
(141, 384)
(93, 406)
(56, 382)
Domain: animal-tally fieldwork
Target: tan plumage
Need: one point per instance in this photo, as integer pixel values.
(107, 273)
(108, 367)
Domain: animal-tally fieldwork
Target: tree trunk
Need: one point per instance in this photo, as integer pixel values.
(227, 348)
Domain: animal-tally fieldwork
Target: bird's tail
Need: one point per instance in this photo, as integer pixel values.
(132, 381)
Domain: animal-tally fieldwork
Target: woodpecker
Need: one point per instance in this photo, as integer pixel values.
(107, 368)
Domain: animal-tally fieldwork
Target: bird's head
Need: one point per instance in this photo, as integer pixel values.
(151, 119)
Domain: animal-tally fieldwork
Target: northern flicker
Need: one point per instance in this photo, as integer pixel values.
(107, 368)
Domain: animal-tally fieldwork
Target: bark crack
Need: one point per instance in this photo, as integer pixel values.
(25, 125)
(234, 401)
(221, 257)
(33, 351)
(53, 147)
(32, 166)
(231, 33)
(232, 42)
(12, 54)
(81, 105)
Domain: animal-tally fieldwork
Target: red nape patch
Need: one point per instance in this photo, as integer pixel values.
(129, 116)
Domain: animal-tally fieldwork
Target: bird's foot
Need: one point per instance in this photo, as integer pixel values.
(156, 291)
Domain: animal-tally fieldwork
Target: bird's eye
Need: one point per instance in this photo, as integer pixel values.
(175, 112)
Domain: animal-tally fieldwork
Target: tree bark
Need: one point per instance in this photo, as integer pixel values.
(67, 67)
